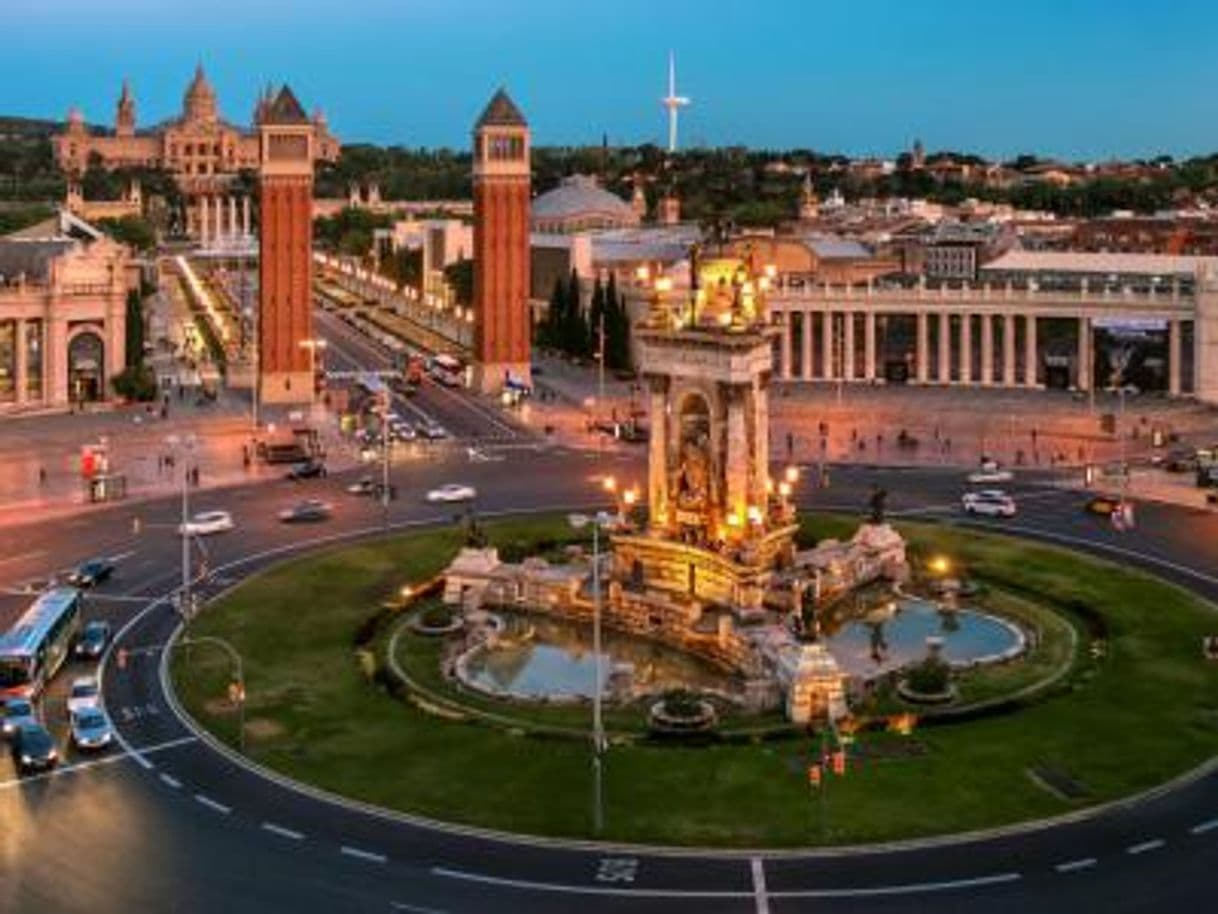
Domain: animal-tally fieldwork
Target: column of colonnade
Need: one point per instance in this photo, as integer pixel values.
(218, 217)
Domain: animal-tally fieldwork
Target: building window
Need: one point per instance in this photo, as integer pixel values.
(8, 360)
(33, 359)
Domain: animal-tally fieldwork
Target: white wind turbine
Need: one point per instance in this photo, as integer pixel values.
(673, 103)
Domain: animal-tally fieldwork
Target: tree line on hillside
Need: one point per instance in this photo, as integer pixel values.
(576, 331)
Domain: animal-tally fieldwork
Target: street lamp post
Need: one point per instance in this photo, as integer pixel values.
(578, 521)
(184, 446)
(236, 687)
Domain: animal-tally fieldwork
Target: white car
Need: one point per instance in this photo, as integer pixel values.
(90, 730)
(84, 694)
(205, 523)
(452, 492)
(991, 475)
(989, 502)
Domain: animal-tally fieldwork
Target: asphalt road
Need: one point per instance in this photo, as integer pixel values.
(173, 825)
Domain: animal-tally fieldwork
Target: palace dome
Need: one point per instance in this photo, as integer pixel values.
(199, 104)
(579, 203)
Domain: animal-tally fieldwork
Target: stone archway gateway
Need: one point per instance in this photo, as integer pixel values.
(86, 368)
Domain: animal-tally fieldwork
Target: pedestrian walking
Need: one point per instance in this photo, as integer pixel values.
(42, 476)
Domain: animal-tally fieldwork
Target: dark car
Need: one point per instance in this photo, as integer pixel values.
(92, 572)
(33, 748)
(15, 713)
(1103, 505)
(93, 638)
(307, 469)
(305, 512)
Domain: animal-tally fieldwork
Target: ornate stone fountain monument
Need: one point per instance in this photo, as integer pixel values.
(715, 569)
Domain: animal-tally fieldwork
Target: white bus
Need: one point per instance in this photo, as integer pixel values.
(35, 647)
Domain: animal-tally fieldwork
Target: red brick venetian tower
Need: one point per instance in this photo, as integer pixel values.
(503, 329)
(285, 249)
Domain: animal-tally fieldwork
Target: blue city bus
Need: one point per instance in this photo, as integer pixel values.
(32, 651)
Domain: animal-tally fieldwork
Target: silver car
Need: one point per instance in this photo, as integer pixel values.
(90, 729)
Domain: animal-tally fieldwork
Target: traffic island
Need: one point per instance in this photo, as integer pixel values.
(1119, 721)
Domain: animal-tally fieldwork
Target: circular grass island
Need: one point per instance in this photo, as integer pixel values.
(1112, 697)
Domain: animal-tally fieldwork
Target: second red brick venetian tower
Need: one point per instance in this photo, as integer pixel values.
(285, 250)
(502, 329)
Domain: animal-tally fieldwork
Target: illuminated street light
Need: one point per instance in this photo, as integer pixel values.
(940, 564)
(792, 474)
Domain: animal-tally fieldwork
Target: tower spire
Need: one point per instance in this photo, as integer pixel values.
(673, 102)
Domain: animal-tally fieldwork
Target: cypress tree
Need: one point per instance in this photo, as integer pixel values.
(596, 313)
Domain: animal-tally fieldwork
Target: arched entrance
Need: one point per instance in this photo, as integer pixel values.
(86, 378)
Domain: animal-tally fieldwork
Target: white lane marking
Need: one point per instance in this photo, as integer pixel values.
(362, 854)
(95, 763)
(759, 892)
(1072, 866)
(1145, 846)
(413, 908)
(282, 832)
(212, 804)
(171, 780)
(584, 889)
(122, 555)
(1203, 827)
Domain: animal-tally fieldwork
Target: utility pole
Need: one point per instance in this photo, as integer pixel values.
(384, 405)
(598, 726)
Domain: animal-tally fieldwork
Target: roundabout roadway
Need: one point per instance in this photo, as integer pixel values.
(166, 822)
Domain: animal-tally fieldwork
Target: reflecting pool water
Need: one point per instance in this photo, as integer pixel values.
(880, 642)
(558, 661)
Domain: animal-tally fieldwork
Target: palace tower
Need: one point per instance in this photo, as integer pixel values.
(285, 251)
(502, 327)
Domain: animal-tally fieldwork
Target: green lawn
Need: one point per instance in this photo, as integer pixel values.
(1145, 712)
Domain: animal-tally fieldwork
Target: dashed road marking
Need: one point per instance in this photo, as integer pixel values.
(1203, 827)
(362, 854)
(212, 804)
(282, 832)
(1145, 846)
(171, 780)
(97, 762)
(759, 893)
(1072, 866)
(413, 908)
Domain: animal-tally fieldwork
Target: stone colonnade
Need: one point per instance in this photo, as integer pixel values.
(985, 348)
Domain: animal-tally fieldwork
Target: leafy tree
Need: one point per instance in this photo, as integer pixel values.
(135, 329)
(132, 230)
(460, 275)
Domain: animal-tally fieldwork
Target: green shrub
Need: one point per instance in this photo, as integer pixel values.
(931, 676)
(137, 382)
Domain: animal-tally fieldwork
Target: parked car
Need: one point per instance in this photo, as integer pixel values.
(309, 510)
(308, 469)
(206, 523)
(14, 712)
(33, 748)
(452, 492)
(90, 729)
(84, 694)
(92, 640)
(90, 573)
(989, 503)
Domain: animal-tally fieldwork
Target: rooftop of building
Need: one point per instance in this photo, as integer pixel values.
(1116, 264)
(580, 195)
(501, 111)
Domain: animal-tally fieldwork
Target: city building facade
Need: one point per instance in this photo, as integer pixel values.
(63, 295)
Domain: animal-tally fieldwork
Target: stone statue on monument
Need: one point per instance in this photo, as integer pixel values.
(876, 503)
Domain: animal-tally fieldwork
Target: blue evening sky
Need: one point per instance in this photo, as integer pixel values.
(1081, 79)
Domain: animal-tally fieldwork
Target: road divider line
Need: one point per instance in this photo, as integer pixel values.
(1145, 846)
(97, 763)
(359, 854)
(1072, 866)
(563, 888)
(171, 780)
(212, 804)
(912, 888)
(759, 892)
(1203, 827)
(413, 908)
(282, 832)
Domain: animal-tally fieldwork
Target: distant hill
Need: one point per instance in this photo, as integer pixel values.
(28, 128)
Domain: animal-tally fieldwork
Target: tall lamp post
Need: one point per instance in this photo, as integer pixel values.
(184, 447)
(579, 521)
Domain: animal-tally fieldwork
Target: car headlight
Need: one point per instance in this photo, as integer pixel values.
(26, 760)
